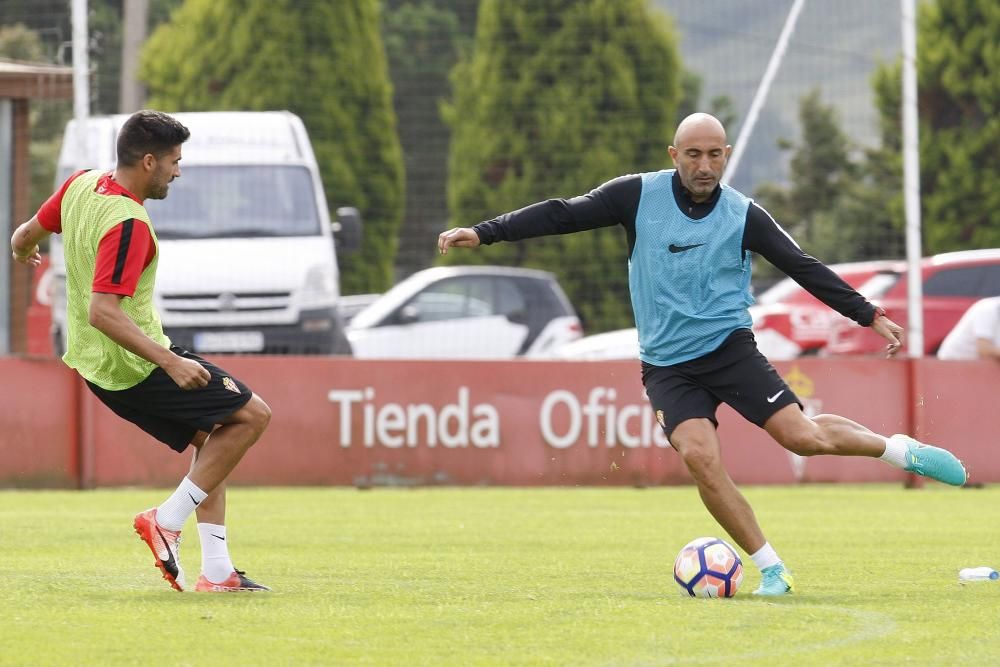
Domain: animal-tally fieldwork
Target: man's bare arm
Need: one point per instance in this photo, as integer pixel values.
(107, 317)
(24, 242)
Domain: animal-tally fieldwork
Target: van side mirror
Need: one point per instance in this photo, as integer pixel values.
(347, 228)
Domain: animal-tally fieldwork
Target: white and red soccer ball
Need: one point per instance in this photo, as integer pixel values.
(708, 568)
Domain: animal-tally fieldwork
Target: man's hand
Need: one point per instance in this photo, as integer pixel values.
(459, 237)
(32, 258)
(106, 316)
(889, 330)
(24, 242)
(187, 373)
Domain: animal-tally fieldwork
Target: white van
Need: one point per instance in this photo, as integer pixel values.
(247, 257)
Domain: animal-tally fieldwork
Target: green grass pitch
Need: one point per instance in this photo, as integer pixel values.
(492, 576)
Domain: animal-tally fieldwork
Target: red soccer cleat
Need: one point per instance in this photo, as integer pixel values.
(234, 583)
(165, 545)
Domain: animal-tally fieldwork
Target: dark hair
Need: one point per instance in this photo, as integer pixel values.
(149, 132)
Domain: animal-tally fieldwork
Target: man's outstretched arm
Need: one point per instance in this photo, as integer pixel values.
(613, 203)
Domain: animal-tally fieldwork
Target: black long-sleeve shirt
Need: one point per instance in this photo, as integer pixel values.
(617, 202)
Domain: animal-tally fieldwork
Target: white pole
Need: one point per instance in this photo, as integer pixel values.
(7, 222)
(762, 90)
(911, 182)
(81, 81)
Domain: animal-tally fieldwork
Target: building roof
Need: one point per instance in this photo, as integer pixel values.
(35, 80)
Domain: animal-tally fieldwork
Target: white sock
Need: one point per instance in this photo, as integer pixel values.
(766, 556)
(895, 452)
(178, 507)
(215, 562)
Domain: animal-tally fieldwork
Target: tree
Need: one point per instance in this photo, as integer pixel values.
(720, 106)
(960, 128)
(422, 41)
(861, 216)
(323, 61)
(556, 98)
(820, 205)
(833, 206)
(959, 94)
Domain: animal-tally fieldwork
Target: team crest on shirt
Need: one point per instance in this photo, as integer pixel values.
(228, 383)
(659, 417)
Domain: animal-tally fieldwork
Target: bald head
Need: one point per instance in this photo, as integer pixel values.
(700, 152)
(699, 125)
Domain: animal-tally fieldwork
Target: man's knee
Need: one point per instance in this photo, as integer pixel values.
(256, 414)
(697, 444)
(261, 412)
(796, 432)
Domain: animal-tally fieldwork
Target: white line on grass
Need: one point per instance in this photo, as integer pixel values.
(871, 625)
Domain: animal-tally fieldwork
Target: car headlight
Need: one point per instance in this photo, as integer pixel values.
(319, 289)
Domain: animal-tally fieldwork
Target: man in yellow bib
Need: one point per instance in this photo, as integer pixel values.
(116, 342)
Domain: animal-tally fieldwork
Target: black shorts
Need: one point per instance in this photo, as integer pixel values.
(171, 414)
(736, 374)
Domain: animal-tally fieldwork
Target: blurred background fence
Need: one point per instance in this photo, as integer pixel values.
(426, 114)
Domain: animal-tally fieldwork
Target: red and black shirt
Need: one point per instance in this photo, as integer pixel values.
(124, 252)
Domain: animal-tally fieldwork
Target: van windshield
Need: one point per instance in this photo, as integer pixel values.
(215, 201)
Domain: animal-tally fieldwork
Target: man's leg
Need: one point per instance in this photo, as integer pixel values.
(839, 436)
(697, 441)
(822, 434)
(216, 564)
(217, 571)
(227, 444)
(215, 457)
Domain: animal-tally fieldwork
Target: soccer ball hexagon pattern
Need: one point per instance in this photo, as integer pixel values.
(708, 568)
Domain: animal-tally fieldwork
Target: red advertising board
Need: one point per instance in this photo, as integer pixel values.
(350, 422)
(492, 422)
(957, 406)
(38, 423)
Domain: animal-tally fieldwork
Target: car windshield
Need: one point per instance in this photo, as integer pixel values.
(877, 286)
(215, 201)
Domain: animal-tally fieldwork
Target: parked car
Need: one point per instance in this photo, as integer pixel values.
(789, 322)
(619, 344)
(466, 312)
(352, 304)
(951, 283)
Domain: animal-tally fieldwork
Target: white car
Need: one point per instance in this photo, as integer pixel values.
(620, 344)
(466, 312)
(352, 304)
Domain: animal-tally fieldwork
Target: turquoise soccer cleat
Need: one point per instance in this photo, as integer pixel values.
(931, 461)
(775, 580)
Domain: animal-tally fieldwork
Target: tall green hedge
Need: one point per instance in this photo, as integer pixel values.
(958, 60)
(324, 62)
(556, 98)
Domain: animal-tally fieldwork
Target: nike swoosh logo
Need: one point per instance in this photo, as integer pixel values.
(220, 537)
(169, 563)
(772, 399)
(681, 248)
(196, 503)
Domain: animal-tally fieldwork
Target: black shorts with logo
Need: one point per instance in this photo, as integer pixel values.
(171, 414)
(736, 374)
